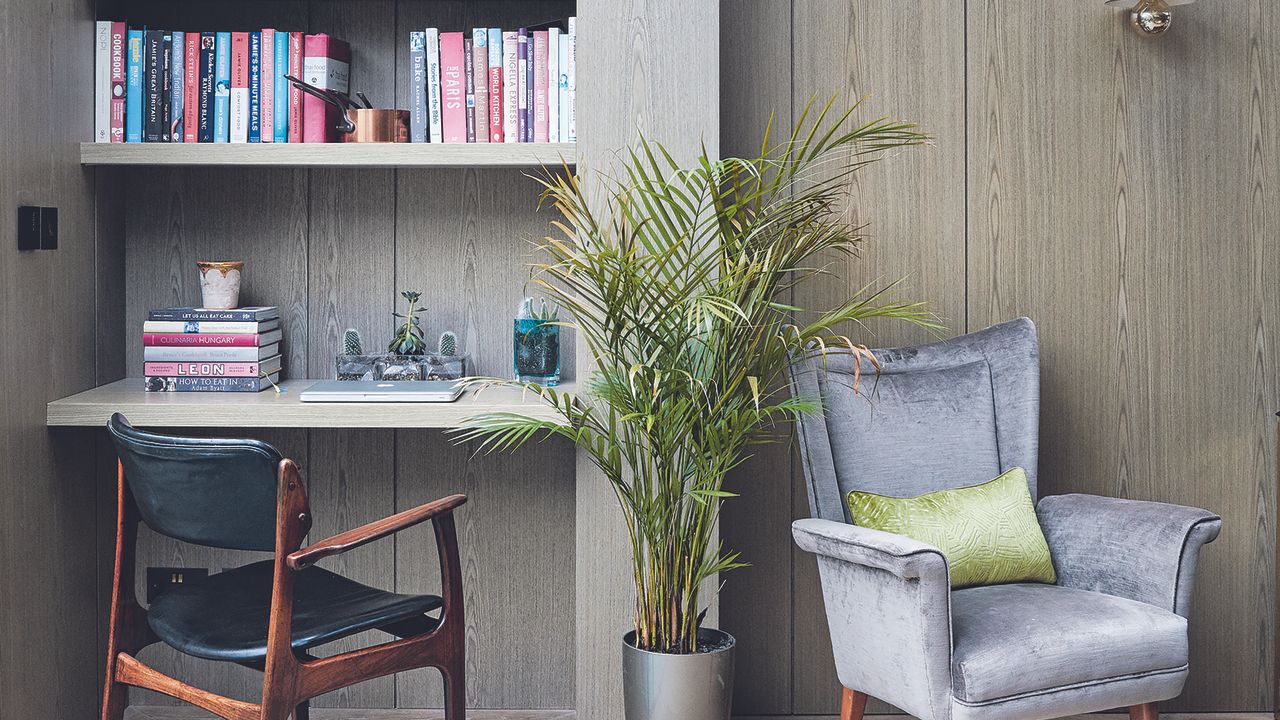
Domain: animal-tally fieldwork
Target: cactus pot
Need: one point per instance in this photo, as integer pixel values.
(693, 686)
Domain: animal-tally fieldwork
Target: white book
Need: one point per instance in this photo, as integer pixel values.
(102, 82)
(433, 86)
(218, 327)
(562, 87)
(553, 84)
(573, 81)
(239, 114)
(161, 353)
(510, 88)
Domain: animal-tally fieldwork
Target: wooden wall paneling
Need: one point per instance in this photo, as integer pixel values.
(633, 73)
(516, 540)
(1126, 204)
(755, 85)
(907, 61)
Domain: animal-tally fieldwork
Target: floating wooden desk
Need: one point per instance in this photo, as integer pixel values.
(92, 408)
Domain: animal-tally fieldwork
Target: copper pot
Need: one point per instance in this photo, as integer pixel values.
(377, 126)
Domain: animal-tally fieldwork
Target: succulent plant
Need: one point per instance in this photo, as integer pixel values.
(408, 338)
(351, 343)
(448, 343)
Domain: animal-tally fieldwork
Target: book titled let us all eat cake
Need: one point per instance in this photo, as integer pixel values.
(205, 350)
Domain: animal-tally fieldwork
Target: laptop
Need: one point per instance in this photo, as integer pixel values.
(372, 391)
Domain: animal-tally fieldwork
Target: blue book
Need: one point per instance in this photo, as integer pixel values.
(133, 89)
(255, 87)
(280, 116)
(222, 89)
(177, 85)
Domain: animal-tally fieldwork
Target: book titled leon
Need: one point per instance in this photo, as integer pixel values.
(199, 350)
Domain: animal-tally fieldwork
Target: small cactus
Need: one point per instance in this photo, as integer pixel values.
(448, 343)
(351, 344)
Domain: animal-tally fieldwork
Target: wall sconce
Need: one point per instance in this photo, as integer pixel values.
(1151, 17)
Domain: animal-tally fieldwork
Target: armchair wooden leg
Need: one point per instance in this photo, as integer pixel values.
(455, 691)
(854, 703)
(302, 711)
(1145, 711)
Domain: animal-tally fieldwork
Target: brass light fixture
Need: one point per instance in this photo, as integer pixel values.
(1150, 17)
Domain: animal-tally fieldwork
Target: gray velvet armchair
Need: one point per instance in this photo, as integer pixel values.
(1111, 633)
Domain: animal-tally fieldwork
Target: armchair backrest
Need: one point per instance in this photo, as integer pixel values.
(209, 491)
(939, 416)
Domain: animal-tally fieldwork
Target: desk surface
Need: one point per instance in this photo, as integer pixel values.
(92, 408)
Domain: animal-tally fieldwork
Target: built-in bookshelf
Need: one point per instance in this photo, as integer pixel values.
(367, 155)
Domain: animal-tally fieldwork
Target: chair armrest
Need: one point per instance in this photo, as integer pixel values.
(888, 602)
(1135, 549)
(375, 530)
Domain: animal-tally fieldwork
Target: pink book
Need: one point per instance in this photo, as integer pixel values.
(540, 127)
(326, 63)
(209, 339)
(453, 88)
(267, 105)
(295, 95)
(495, 88)
(118, 70)
(191, 88)
(201, 369)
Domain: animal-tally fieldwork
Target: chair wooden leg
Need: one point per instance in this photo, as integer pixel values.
(455, 691)
(303, 711)
(115, 698)
(852, 704)
(1145, 711)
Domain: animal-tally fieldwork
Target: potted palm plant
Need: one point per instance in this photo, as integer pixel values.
(678, 281)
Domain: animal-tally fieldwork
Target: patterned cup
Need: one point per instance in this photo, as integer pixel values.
(220, 284)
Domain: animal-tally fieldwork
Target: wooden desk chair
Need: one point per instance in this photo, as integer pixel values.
(243, 495)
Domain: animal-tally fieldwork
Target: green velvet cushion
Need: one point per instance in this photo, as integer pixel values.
(989, 532)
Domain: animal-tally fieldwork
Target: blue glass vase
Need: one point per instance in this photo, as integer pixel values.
(536, 351)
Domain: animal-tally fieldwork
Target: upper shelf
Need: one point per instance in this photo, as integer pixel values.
(357, 155)
(92, 408)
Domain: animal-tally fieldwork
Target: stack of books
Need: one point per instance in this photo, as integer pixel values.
(198, 350)
(493, 86)
(214, 87)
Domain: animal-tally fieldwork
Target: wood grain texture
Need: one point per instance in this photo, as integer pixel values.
(1127, 206)
(633, 72)
(517, 545)
(353, 155)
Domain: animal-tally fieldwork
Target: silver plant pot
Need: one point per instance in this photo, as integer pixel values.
(697, 686)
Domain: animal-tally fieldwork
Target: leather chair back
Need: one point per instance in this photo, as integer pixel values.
(950, 414)
(208, 491)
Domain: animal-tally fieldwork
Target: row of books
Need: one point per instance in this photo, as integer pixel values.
(514, 86)
(199, 350)
(214, 87)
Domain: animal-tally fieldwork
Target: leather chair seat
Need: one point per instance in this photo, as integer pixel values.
(1017, 640)
(225, 616)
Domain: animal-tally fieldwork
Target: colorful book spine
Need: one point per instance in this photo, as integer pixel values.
(210, 339)
(102, 82)
(553, 84)
(267, 89)
(133, 93)
(530, 68)
(435, 118)
(573, 81)
(562, 88)
(239, 101)
(522, 84)
(222, 89)
(210, 369)
(281, 112)
(469, 85)
(156, 353)
(191, 88)
(540, 86)
(326, 64)
(417, 86)
(217, 327)
(119, 79)
(153, 86)
(208, 87)
(177, 85)
(495, 85)
(295, 95)
(510, 88)
(255, 87)
(208, 384)
(453, 87)
(245, 314)
(166, 88)
(480, 83)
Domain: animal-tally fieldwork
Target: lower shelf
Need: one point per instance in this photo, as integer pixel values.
(159, 712)
(92, 408)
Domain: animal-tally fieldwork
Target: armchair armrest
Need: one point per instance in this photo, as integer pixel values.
(375, 530)
(888, 602)
(1135, 549)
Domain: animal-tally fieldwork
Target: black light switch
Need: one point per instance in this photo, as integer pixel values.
(29, 227)
(49, 228)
